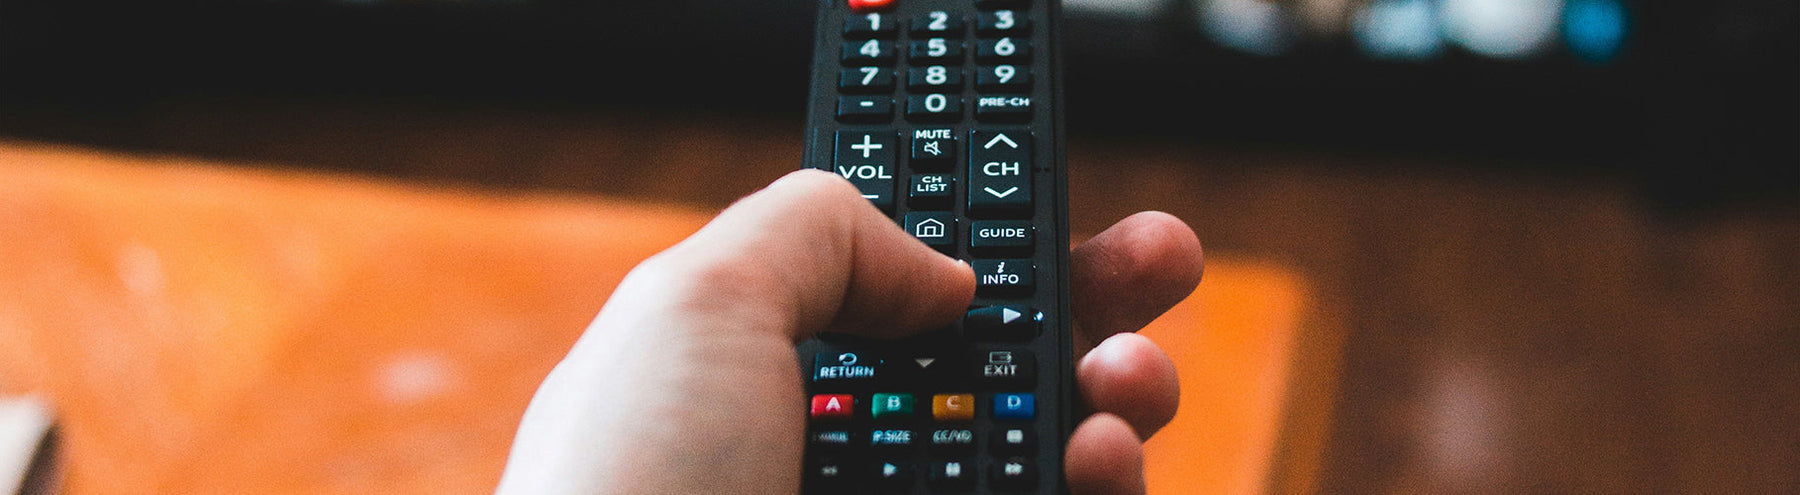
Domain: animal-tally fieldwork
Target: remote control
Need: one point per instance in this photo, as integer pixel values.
(945, 115)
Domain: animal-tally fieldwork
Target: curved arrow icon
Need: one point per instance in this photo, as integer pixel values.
(1000, 194)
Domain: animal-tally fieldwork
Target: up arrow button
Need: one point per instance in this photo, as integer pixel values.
(1000, 138)
(1000, 174)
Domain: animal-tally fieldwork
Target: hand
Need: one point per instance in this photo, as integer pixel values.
(687, 381)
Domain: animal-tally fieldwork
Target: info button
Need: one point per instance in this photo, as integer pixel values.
(1013, 236)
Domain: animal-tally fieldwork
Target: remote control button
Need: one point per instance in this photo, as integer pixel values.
(833, 407)
(1001, 323)
(870, 25)
(999, 174)
(1010, 407)
(937, 23)
(867, 160)
(1003, 368)
(1014, 474)
(890, 406)
(935, 51)
(866, 80)
(1013, 441)
(934, 108)
(1006, 108)
(865, 109)
(845, 367)
(868, 5)
(893, 474)
(1003, 78)
(953, 440)
(933, 149)
(871, 52)
(935, 228)
(1012, 236)
(1003, 49)
(930, 191)
(934, 78)
(829, 440)
(828, 474)
(953, 475)
(1004, 21)
(953, 407)
(996, 277)
(995, 4)
(891, 438)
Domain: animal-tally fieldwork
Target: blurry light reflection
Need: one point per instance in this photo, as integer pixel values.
(1505, 29)
(1251, 26)
(1398, 30)
(1595, 29)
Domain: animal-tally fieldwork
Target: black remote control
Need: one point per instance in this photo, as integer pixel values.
(945, 114)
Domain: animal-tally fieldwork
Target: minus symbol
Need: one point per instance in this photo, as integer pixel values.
(867, 103)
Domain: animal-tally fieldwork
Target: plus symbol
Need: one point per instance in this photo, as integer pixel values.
(867, 145)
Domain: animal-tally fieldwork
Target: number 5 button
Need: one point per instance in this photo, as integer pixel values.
(1000, 174)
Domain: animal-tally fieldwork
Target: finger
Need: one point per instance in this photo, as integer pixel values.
(1130, 377)
(1104, 457)
(808, 253)
(1131, 273)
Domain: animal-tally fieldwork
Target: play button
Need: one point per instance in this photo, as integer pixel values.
(1001, 323)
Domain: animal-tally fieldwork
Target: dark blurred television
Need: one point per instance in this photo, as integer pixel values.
(1699, 100)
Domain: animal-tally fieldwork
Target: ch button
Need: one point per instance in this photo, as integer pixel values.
(867, 160)
(1000, 174)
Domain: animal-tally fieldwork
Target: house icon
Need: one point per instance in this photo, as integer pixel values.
(930, 228)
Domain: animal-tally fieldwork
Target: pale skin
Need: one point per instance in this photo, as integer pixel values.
(687, 381)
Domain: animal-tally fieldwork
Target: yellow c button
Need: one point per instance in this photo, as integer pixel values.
(953, 407)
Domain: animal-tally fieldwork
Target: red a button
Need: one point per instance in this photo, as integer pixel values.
(868, 5)
(833, 406)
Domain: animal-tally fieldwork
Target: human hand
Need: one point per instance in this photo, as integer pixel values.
(687, 381)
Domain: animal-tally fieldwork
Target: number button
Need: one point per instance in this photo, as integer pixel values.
(1003, 78)
(936, 77)
(1015, 49)
(870, 52)
(871, 25)
(933, 107)
(866, 80)
(1004, 21)
(865, 108)
(936, 51)
(937, 22)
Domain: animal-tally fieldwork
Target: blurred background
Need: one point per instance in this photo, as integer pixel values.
(1550, 245)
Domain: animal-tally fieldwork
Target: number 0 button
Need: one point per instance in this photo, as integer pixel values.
(933, 108)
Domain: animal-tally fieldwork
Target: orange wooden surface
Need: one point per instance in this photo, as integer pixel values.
(205, 329)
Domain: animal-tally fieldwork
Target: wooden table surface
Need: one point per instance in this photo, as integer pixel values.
(1500, 331)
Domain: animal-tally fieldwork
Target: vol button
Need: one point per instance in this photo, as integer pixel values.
(867, 160)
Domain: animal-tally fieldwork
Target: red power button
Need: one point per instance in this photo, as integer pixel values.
(868, 5)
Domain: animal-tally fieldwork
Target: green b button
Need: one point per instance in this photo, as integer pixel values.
(891, 405)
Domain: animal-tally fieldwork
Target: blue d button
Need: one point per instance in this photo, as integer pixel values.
(1014, 406)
